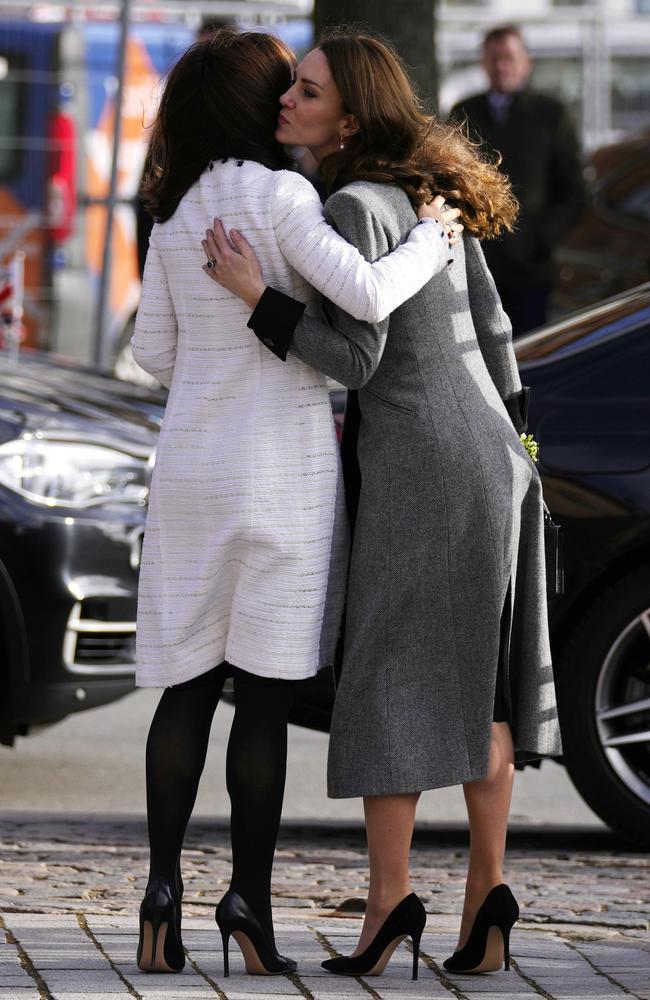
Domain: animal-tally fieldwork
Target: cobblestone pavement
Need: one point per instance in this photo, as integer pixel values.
(71, 890)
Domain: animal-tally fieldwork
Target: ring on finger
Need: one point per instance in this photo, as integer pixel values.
(211, 263)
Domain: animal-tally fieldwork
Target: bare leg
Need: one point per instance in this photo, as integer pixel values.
(488, 805)
(389, 825)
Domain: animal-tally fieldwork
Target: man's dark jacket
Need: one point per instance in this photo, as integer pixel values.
(540, 152)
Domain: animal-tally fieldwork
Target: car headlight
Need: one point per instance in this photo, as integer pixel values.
(71, 473)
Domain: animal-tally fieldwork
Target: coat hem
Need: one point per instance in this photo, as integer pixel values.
(408, 787)
(431, 784)
(148, 681)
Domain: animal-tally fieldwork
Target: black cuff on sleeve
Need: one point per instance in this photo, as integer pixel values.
(517, 407)
(443, 233)
(274, 321)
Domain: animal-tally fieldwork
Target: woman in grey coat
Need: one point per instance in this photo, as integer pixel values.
(446, 667)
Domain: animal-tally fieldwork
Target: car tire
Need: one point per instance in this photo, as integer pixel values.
(604, 669)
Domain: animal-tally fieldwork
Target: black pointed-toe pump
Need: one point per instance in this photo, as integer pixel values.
(406, 920)
(488, 945)
(160, 948)
(234, 917)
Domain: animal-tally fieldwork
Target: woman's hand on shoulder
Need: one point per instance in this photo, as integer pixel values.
(232, 264)
(443, 214)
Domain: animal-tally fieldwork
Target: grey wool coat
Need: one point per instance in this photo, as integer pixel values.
(449, 526)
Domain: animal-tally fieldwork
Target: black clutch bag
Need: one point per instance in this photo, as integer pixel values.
(554, 551)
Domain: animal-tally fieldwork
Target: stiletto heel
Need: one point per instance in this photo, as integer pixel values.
(483, 952)
(506, 948)
(160, 948)
(225, 936)
(406, 920)
(416, 952)
(234, 917)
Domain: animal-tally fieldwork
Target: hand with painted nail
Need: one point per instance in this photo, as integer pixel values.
(232, 263)
(447, 216)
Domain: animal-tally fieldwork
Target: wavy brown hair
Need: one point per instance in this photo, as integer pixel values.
(398, 143)
(221, 99)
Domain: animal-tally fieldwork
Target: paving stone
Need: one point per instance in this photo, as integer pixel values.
(426, 983)
(539, 947)
(582, 911)
(65, 995)
(499, 984)
(175, 992)
(91, 963)
(615, 953)
(631, 982)
(256, 986)
(62, 992)
(333, 986)
(511, 996)
(81, 980)
(189, 977)
(572, 975)
(556, 972)
(633, 960)
(582, 985)
(17, 993)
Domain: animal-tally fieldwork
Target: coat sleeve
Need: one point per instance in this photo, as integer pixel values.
(156, 331)
(346, 349)
(367, 291)
(494, 333)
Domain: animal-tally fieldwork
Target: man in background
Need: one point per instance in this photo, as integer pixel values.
(540, 154)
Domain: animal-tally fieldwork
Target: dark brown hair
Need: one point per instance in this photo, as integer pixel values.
(221, 99)
(397, 143)
(503, 31)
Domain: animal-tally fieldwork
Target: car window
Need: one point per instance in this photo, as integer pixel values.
(630, 193)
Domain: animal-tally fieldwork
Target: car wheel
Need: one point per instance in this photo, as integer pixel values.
(603, 685)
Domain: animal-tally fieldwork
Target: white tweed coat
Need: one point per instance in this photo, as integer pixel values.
(245, 550)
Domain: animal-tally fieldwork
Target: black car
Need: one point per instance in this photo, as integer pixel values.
(590, 412)
(608, 249)
(76, 453)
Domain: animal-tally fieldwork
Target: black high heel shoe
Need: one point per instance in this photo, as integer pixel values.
(160, 948)
(234, 916)
(406, 920)
(486, 949)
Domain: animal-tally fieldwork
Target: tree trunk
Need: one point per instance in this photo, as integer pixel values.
(410, 27)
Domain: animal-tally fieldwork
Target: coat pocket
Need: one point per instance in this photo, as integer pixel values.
(389, 403)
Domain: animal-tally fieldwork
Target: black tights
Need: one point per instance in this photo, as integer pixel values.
(255, 775)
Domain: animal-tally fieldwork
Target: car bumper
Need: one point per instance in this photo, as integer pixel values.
(70, 608)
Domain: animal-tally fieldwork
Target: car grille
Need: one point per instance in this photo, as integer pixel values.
(104, 649)
(100, 637)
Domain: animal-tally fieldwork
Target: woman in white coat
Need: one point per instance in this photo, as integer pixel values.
(245, 551)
